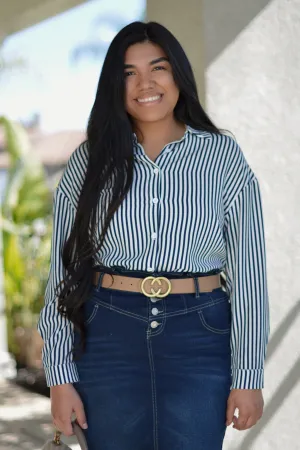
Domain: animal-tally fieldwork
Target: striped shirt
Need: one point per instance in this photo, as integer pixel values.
(197, 208)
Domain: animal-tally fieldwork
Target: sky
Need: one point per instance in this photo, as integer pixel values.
(50, 84)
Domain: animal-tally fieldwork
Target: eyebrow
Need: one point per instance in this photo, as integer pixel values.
(154, 61)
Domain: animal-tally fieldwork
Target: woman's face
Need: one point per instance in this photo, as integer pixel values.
(150, 91)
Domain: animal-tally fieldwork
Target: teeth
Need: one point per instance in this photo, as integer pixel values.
(149, 99)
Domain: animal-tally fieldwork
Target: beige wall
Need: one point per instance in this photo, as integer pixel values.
(15, 15)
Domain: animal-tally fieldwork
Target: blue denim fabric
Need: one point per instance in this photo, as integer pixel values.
(162, 388)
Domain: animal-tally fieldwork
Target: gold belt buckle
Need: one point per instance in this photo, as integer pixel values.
(156, 280)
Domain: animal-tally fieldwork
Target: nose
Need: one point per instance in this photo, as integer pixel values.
(145, 80)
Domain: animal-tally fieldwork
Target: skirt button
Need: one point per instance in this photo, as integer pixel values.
(154, 324)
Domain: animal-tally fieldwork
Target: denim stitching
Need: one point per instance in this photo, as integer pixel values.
(224, 297)
(193, 308)
(93, 314)
(214, 330)
(153, 392)
(121, 311)
(208, 327)
(161, 327)
(163, 315)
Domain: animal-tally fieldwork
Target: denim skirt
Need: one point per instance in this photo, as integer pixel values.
(156, 372)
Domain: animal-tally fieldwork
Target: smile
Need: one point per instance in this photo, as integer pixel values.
(150, 100)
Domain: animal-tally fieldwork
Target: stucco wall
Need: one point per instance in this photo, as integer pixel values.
(252, 75)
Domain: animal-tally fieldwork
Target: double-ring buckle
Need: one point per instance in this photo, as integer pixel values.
(158, 280)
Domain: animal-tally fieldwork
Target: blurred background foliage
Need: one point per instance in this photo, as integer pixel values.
(26, 226)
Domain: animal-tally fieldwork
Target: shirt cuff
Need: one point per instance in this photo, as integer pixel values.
(247, 379)
(62, 374)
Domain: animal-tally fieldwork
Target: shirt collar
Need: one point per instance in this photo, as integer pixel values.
(199, 133)
(189, 130)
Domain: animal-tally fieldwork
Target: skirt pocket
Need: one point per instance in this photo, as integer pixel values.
(90, 311)
(216, 317)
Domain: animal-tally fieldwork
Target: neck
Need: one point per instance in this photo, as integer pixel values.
(161, 132)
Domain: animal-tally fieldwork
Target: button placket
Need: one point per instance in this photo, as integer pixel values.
(154, 219)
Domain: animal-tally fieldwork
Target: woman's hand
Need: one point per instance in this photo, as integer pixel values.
(250, 404)
(64, 401)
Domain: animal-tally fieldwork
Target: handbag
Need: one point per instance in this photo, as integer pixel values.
(56, 442)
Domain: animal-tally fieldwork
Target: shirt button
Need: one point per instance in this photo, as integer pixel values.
(154, 324)
(156, 171)
(154, 235)
(155, 200)
(150, 269)
(154, 311)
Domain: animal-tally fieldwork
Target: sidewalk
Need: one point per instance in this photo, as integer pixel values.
(25, 420)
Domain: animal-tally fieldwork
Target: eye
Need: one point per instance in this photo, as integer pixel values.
(159, 68)
(127, 74)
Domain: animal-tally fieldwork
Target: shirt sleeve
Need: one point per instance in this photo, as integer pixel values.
(56, 330)
(246, 283)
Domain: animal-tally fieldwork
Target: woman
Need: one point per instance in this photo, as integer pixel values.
(156, 191)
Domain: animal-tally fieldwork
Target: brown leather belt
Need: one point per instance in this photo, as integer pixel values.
(158, 286)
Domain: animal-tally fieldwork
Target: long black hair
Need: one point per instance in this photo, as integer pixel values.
(110, 155)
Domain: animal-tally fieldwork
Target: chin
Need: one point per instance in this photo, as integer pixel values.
(150, 117)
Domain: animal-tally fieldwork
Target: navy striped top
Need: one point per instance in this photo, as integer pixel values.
(197, 208)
